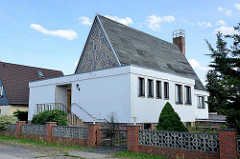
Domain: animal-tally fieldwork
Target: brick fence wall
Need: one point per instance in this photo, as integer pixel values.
(48, 136)
(227, 142)
(227, 146)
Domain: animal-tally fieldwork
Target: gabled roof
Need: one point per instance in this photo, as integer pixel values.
(135, 47)
(15, 79)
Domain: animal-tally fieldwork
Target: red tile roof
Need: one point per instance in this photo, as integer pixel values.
(15, 79)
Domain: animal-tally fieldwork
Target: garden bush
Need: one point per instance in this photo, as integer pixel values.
(21, 115)
(169, 120)
(50, 116)
(5, 120)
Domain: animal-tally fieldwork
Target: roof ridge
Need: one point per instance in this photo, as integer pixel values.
(29, 66)
(134, 29)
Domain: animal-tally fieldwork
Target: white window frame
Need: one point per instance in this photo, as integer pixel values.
(166, 93)
(158, 89)
(201, 102)
(150, 88)
(141, 87)
(1, 91)
(178, 94)
(186, 95)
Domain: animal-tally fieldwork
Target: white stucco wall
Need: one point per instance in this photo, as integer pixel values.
(103, 96)
(5, 110)
(147, 110)
(40, 95)
(61, 95)
(201, 113)
(115, 90)
(101, 93)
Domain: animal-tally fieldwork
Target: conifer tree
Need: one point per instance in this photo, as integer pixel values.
(223, 81)
(169, 120)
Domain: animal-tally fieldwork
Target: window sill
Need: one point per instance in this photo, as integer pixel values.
(201, 108)
(141, 96)
(158, 98)
(188, 104)
(179, 103)
(150, 96)
(166, 98)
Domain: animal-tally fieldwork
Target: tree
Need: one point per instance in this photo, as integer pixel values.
(223, 81)
(50, 116)
(5, 120)
(21, 115)
(169, 120)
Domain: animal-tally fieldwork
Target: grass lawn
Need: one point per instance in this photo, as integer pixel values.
(33, 143)
(129, 155)
(66, 149)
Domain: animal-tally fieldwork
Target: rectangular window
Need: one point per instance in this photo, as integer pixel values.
(166, 90)
(188, 99)
(178, 94)
(1, 91)
(141, 90)
(200, 100)
(158, 89)
(150, 88)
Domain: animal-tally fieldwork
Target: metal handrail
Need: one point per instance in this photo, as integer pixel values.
(60, 106)
(89, 113)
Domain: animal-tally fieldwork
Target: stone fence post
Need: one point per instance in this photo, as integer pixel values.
(18, 128)
(48, 131)
(132, 138)
(227, 143)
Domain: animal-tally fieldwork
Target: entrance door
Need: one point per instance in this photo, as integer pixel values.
(69, 92)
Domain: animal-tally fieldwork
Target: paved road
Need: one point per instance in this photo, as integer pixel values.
(11, 151)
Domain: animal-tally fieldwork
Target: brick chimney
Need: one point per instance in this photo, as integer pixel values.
(179, 39)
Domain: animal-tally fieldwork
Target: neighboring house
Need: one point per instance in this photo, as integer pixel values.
(14, 85)
(128, 73)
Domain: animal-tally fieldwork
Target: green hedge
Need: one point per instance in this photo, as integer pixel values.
(50, 116)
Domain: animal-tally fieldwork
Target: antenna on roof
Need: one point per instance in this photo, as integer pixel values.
(179, 39)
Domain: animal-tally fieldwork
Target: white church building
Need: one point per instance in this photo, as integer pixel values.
(128, 73)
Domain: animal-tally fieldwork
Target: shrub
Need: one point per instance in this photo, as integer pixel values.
(169, 120)
(50, 116)
(21, 115)
(5, 120)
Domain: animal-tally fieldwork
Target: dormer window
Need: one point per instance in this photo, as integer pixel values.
(1, 91)
(40, 74)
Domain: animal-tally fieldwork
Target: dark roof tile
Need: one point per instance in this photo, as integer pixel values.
(15, 79)
(135, 47)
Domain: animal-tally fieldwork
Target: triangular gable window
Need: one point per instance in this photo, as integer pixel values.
(97, 53)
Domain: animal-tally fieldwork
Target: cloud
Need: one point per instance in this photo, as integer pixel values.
(228, 12)
(76, 63)
(196, 65)
(125, 21)
(237, 6)
(221, 22)
(67, 34)
(204, 24)
(225, 30)
(85, 20)
(220, 9)
(155, 21)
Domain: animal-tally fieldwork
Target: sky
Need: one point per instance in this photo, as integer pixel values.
(52, 33)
